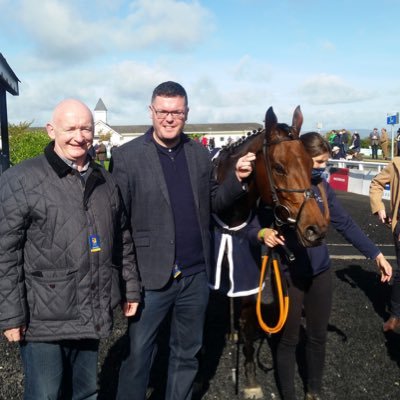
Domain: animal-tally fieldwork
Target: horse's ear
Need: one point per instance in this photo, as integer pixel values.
(297, 121)
(270, 119)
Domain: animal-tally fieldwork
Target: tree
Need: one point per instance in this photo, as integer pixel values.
(26, 142)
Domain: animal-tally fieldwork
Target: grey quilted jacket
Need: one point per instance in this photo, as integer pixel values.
(50, 280)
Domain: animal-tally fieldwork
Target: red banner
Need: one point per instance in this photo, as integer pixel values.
(339, 178)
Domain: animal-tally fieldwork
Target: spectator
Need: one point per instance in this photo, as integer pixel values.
(384, 143)
(212, 144)
(338, 142)
(345, 140)
(389, 175)
(101, 152)
(336, 153)
(166, 184)
(204, 141)
(58, 268)
(374, 142)
(397, 144)
(355, 146)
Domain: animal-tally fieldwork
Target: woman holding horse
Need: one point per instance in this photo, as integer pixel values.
(309, 277)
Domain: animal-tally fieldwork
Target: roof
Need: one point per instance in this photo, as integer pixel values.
(8, 79)
(208, 129)
(100, 106)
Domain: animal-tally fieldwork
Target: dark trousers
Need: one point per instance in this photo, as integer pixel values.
(65, 369)
(188, 298)
(374, 148)
(314, 294)
(395, 294)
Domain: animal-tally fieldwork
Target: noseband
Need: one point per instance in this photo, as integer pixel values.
(281, 212)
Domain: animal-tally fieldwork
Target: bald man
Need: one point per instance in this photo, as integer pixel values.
(65, 245)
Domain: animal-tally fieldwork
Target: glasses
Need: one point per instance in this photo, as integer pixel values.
(162, 114)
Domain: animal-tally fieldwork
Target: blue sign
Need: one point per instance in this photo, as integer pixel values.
(392, 119)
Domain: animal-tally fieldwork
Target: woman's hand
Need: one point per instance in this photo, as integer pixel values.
(270, 237)
(384, 267)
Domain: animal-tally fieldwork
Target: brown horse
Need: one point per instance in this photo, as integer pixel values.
(281, 179)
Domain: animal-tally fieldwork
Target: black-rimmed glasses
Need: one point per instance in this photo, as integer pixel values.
(162, 114)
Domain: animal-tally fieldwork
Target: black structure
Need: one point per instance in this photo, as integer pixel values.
(8, 83)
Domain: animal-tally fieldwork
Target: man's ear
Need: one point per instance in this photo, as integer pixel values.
(50, 131)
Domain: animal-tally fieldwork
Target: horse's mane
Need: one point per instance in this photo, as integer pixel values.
(237, 145)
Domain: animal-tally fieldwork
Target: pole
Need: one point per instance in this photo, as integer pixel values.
(5, 151)
(392, 149)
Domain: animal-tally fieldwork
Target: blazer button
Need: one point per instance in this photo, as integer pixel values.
(171, 242)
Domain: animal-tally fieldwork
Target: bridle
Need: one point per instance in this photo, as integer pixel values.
(281, 212)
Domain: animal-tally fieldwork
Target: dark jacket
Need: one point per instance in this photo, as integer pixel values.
(314, 260)
(137, 170)
(50, 281)
(101, 152)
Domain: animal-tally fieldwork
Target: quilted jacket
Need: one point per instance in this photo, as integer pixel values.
(50, 280)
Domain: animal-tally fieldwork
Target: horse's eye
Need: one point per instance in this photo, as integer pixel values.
(279, 169)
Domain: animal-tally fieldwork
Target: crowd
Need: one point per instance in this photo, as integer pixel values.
(77, 240)
(347, 146)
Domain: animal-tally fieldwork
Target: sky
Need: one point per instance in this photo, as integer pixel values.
(339, 60)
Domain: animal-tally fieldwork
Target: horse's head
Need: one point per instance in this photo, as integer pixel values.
(284, 179)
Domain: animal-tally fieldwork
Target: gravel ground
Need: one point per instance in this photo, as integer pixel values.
(362, 362)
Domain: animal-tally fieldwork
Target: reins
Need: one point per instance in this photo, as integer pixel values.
(281, 287)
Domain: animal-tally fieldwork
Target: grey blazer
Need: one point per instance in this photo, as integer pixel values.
(137, 170)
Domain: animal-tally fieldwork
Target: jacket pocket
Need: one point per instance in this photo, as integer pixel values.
(141, 241)
(55, 298)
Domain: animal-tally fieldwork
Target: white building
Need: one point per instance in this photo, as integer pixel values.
(120, 134)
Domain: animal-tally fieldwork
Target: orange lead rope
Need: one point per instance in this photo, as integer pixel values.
(283, 298)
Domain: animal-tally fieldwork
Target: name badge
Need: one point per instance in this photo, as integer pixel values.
(94, 243)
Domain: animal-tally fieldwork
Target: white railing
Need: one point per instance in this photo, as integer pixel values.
(360, 165)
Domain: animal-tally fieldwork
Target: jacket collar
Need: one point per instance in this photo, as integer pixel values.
(60, 167)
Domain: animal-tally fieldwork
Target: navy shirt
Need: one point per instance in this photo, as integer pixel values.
(189, 254)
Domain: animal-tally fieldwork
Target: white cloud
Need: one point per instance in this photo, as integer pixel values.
(250, 69)
(165, 24)
(330, 89)
(74, 32)
(59, 31)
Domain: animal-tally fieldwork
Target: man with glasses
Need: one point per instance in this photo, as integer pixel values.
(167, 186)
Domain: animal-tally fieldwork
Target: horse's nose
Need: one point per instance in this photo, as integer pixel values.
(314, 234)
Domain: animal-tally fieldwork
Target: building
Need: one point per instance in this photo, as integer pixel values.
(120, 134)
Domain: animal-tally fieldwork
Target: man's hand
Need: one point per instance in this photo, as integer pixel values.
(382, 217)
(15, 334)
(244, 166)
(129, 308)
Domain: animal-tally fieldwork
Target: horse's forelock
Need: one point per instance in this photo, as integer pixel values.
(281, 132)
